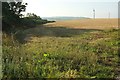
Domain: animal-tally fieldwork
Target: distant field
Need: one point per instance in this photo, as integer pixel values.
(87, 23)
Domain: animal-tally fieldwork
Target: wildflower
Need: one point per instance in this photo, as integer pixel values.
(45, 54)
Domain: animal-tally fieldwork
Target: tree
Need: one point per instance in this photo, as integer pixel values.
(11, 15)
(33, 16)
(18, 7)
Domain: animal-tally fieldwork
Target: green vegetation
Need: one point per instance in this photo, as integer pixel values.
(33, 20)
(13, 20)
(92, 54)
(11, 15)
(56, 52)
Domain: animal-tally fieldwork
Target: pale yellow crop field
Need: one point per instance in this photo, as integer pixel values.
(86, 24)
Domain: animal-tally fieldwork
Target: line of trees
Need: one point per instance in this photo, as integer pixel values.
(32, 20)
(12, 19)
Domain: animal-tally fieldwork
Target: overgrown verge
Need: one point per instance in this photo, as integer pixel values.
(93, 55)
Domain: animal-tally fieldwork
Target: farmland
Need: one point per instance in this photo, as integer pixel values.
(65, 49)
(100, 23)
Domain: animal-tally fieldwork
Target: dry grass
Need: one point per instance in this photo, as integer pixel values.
(87, 24)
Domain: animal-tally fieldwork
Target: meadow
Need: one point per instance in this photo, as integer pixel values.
(81, 49)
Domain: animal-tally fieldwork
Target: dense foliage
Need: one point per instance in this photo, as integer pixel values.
(11, 15)
(13, 20)
(32, 20)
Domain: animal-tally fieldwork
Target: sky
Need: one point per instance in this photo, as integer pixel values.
(75, 8)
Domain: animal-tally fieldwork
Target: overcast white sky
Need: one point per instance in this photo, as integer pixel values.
(78, 8)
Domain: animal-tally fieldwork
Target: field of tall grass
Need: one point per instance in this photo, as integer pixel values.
(57, 52)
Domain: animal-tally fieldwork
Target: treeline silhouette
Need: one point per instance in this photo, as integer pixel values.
(13, 20)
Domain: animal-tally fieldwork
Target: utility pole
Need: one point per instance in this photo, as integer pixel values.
(93, 13)
(109, 15)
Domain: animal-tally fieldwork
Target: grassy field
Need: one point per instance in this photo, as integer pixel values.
(65, 49)
(87, 23)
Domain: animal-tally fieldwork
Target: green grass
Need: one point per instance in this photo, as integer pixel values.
(89, 55)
